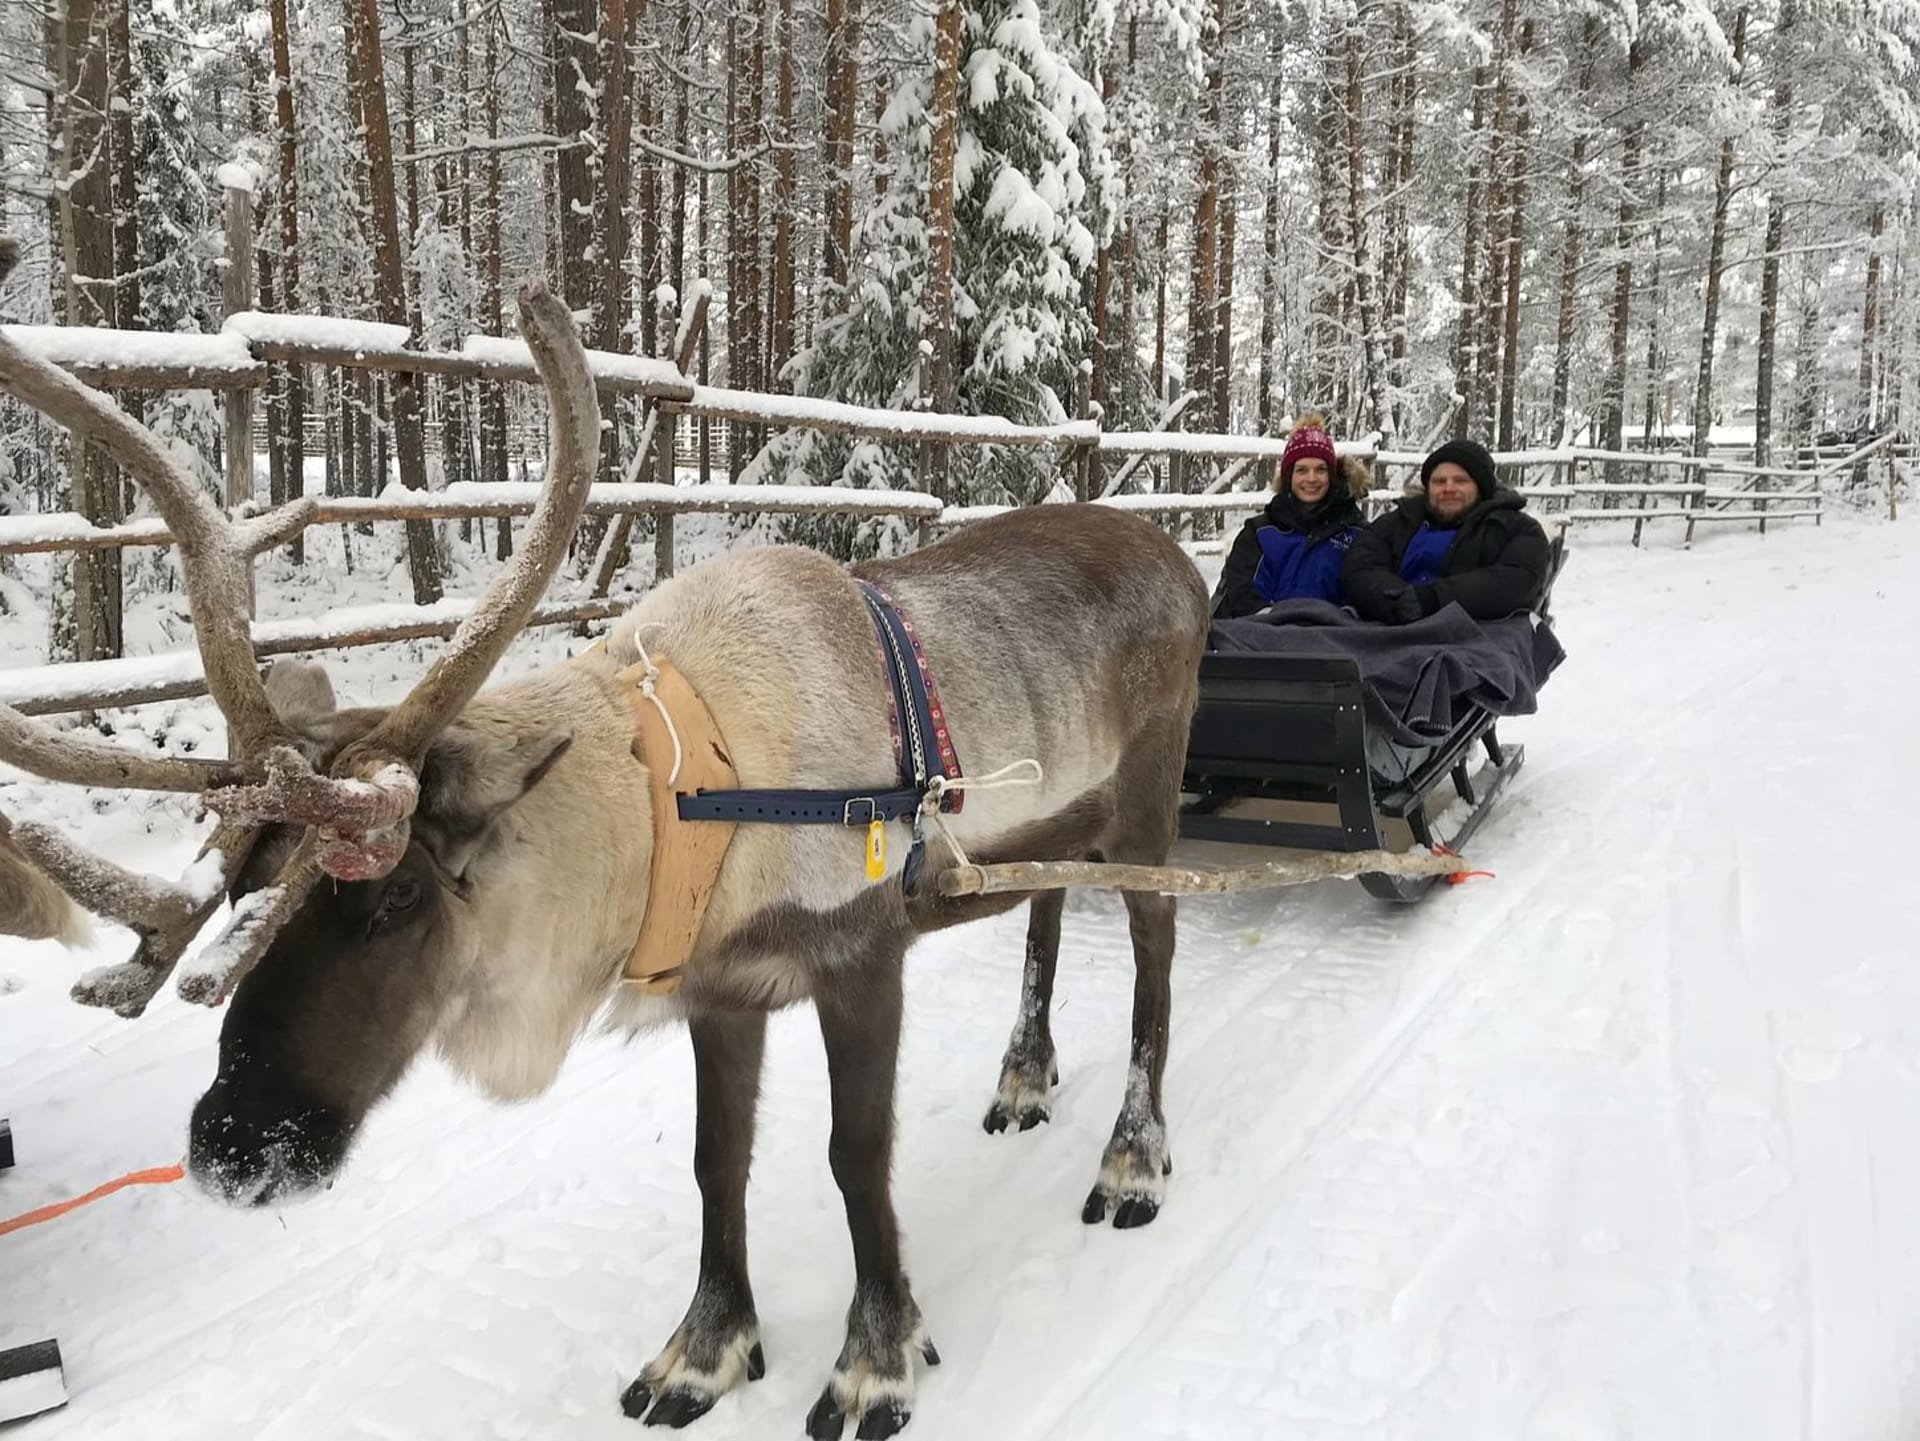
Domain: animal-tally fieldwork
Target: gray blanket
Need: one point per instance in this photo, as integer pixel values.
(1420, 678)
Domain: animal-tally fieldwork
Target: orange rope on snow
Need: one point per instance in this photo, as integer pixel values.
(1460, 878)
(154, 1176)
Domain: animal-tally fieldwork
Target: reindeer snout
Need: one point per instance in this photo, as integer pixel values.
(253, 1150)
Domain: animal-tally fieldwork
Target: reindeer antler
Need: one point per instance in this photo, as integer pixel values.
(360, 812)
(363, 811)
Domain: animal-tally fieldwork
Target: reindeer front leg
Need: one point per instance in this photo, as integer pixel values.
(873, 1381)
(718, 1344)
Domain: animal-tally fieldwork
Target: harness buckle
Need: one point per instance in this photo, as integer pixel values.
(873, 811)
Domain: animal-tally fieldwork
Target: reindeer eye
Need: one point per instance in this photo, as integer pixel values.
(402, 896)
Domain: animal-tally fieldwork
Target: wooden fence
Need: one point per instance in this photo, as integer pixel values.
(1570, 486)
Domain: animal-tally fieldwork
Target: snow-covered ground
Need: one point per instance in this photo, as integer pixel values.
(1617, 1144)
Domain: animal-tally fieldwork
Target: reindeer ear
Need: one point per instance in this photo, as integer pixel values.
(471, 779)
(299, 692)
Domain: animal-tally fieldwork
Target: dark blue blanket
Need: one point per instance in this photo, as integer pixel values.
(1421, 678)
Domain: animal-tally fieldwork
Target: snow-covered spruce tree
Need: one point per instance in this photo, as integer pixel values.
(178, 221)
(1034, 193)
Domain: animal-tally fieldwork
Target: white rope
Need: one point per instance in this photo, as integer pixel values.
(648, 679)
(1027, 772)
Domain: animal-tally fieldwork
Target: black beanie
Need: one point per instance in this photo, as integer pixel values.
(1471, 456)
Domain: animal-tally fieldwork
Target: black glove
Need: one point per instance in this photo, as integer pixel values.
(1406, 607)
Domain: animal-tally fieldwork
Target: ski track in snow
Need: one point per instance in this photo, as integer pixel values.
(1616, 1144)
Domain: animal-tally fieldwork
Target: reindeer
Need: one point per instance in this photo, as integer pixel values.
(488, 853)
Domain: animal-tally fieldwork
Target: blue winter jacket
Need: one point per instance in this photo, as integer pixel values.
(1288, 552)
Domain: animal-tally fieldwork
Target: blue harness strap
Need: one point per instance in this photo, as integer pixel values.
(921, 746)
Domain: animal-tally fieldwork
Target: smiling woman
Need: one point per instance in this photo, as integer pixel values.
(1294, 548)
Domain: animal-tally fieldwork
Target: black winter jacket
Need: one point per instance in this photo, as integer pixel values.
(1235, 596)
(1497, 565)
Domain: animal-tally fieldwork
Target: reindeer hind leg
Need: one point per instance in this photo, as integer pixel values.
(1134, 1168)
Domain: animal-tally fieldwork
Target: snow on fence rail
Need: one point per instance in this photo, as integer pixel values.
(68, 530)
(171, 675)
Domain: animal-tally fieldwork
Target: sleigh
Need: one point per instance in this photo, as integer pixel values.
(1279, 760)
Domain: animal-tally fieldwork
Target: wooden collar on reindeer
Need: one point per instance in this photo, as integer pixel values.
(697, 800)
(678, 740)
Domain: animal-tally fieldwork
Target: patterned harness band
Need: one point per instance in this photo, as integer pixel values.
(922, 749)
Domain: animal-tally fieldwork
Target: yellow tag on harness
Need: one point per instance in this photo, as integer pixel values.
(876, 850)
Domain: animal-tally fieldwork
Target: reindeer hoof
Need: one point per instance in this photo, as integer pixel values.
(872, 1386)
(888, 1418)
(636, 1398)
(681, 1405)
(826, 1420)
(1022, 1098)
(1000, 1117)
(673, 1391)
(1132, 1186)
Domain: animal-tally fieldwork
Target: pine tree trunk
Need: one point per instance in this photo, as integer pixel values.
(1204, 291)
(781, 337)
(1613, 403)
(1365, 280)
(1103, 273)
(739, 364)
(1500, 177)
(409, 136)
(1399, 243)
(1805, 407)
(1716, 253)
(493, 395)
(755, 269)
(678, 260)
(616, 181)
(126, 234)
(85, 177)
(1466, 360)
(944, 125)
(1516, 246)
(368, 77)
(842, 91)
(1223, 306)
(1765, 349)
(576, 76)
(1331, 349)
(1656, 312)
(1866, 408)
(1574, 232)
(1160, 311)
(1270, 226)
(289, 380)
(614, 196)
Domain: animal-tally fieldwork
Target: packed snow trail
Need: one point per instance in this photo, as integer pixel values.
(1618, 1143)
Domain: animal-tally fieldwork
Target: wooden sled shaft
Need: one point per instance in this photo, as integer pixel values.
(972, 880)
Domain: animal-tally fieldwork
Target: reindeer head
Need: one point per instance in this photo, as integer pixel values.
(394, 812)
(368, 971)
